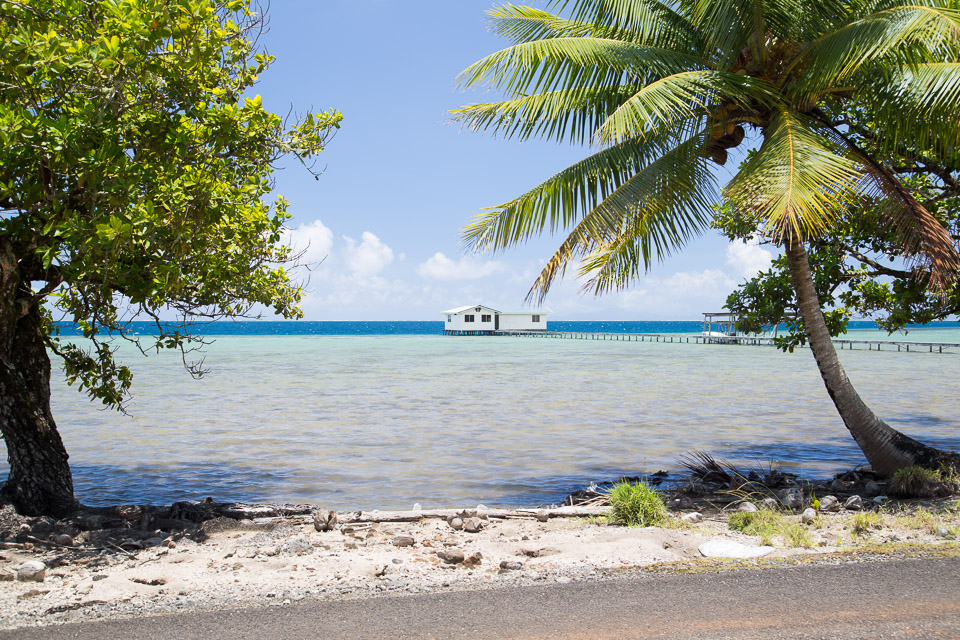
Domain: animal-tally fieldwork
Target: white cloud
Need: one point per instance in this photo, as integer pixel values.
(310, 243)
(368, 258)
(440, 267)
(748, 258)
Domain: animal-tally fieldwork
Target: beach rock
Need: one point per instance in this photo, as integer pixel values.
(6, 576)
(542, 516)
(692, 518)
(324, 520)
(564, 580)
(770, 503)
(791, 499)
(473, 525)
(456, 523)
(881, 500)
(730, 549)
(829, 504)
(873, 489)
(853, 503)
(403, 541)
(417, 506)
(90, 522)
(508, 565)
(451, 556)
(32, 571)
(944, 532)
(473, 560)
(466, 514)
(808, 516)
(296, 546)
(747, 507)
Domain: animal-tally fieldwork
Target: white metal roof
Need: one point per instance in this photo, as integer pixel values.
(468, 307)
(512, 312)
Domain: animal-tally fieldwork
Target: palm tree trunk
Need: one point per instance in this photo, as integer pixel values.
(885, 448)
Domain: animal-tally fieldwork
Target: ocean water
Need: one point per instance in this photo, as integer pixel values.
(387, 414)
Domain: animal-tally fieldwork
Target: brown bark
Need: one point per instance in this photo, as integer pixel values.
(39, 481)
(885, 448)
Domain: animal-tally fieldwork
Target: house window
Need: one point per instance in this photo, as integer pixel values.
(485, 318)
(536, 318)
(468, 318)
(449, 318)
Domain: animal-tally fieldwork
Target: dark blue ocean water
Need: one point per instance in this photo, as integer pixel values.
(423, 327)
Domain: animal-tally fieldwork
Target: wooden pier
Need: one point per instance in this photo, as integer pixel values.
(753, 341)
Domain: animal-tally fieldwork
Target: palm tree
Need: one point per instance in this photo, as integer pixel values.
(662, 89)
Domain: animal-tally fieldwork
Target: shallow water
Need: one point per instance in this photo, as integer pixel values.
(386, 421)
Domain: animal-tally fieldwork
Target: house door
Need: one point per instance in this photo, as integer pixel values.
(496, 322)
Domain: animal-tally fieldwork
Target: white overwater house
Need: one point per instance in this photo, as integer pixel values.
(483, 320)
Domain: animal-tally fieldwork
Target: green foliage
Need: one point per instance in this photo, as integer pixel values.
(636, 505)
(663, 89)
(135, 170)
(765, 523)
(768, 524)
(920, 482)
(861, 523)
(857, 271)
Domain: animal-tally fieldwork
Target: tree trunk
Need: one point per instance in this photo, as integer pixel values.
(885, 448)
(39, 481)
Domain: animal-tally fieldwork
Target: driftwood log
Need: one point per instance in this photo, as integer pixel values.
(353, 517)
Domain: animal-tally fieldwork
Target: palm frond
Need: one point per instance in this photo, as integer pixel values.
(913, 33)
(568, 114)
(682, 96)
(647, 21)
(663, 204)
(561, 200)
(544, 65)
(797, 181)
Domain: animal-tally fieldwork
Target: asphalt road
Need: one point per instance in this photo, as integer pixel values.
(893, 599)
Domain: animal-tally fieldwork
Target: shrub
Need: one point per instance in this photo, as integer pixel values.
(920, 482)
(636, 505)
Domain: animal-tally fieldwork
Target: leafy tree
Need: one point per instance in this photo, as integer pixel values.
(662, 88)
(134, 172)
(854, 263)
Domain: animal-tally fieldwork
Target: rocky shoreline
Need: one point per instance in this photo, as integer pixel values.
(136, 560)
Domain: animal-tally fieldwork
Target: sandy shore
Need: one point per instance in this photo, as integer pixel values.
(225, 563)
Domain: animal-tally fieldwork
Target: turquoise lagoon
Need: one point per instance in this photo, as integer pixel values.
(383, 415)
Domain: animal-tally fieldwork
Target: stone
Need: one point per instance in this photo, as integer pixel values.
(542, 516)
(324, 520)
(296, 546)
(564, 580)
(692, 518)
(829, 504)
(808, 516)
(417, 507)
(473, 560)
(456, 523)
(63, 540)
(791, 498)
(853, 503)
(730, 549)
(467, 514)
(6, 576)
(873, 489)
(32, 571)
(747, 507)
(91, 522)
(472, 525)
(943, 532)
(770, 503)
(508, 565)
(403, 541)
(881, 500)
(451, 556)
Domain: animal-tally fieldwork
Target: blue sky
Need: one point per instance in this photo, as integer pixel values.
(401, 180)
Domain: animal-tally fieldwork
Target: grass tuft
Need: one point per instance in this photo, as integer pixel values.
(920, 482)
(636, 505)
(862, 522)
